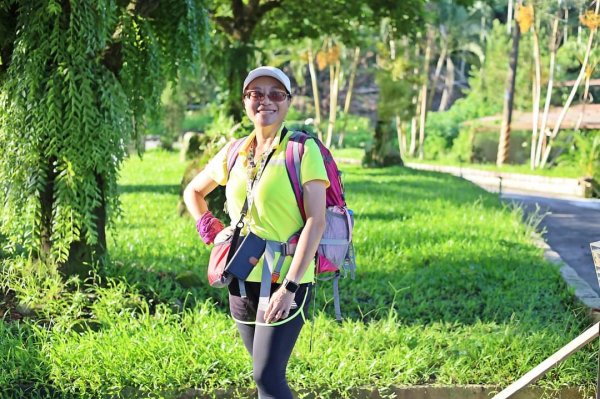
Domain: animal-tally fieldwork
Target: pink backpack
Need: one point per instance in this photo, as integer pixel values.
(336, 251)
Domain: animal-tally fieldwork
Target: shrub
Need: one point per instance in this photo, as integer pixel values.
(462, 147)
(584, 153)
(435, 147)
(357, 129)
(197, 121)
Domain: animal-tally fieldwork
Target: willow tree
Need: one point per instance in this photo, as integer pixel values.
(77, 80)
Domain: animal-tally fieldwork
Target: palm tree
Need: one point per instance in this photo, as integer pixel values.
(461, 33)
(591, 20)
(504, 142)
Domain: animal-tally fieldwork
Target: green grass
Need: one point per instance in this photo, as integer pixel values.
(449, 290)
(557, 171)
(348, 153)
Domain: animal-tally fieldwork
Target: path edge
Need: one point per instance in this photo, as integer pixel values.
(583, 291)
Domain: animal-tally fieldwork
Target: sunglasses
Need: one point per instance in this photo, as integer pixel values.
(275, 96)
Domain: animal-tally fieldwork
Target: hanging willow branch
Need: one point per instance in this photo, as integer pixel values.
(77, 80)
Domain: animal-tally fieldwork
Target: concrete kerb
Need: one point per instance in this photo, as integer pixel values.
(512, 181)
(583, 291)
(399, 392)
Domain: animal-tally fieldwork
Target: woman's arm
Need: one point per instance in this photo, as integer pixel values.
(214, 173)
(308, 243)
(196, 191)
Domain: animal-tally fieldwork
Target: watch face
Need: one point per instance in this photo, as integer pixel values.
(291, 286)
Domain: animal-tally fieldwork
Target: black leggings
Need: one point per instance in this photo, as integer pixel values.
(269, 362)
(274, 345)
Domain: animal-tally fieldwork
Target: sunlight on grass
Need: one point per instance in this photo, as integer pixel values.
(449, 290)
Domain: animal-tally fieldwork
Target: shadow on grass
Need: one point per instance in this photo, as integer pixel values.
(460, 286)
(149, 188)
(180, 289)
(428, 186)
(459, 291)
(463, 289)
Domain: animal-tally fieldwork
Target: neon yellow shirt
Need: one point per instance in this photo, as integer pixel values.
(274, 214)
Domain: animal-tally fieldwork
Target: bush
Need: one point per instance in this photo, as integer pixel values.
(197, 121)
(204, 148)
(462, 147)
(357, 129)
(445, 124)
(583, 152)
(435, 147)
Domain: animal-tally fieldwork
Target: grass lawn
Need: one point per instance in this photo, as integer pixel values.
(560, 171)
(349, 153)
(449, 290)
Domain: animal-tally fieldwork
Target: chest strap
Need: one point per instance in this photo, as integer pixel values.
(275, 253)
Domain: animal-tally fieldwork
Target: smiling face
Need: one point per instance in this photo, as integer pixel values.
(266, 112)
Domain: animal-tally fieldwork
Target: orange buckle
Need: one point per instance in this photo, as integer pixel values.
(274, 277)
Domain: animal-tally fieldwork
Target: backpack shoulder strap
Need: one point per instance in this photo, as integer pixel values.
(293, 159)
(233, 151)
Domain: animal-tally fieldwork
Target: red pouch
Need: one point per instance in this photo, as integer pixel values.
(217, 277)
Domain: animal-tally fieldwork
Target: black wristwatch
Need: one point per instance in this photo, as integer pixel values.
(290, 286)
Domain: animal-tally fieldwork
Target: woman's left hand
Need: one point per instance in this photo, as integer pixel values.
(279, 305)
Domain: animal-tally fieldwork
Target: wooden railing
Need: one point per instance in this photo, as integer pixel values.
(589, 335)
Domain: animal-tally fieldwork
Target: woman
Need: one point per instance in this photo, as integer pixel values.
(270, 327)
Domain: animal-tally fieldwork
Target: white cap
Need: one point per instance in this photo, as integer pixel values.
(272, 72)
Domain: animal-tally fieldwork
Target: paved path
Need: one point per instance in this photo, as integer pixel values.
(571, 224)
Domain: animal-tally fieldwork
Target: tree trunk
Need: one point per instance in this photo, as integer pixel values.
(333, 99)
(413, 135)
(537, 87)
(379, 155)
(504, 142)
(401, 137)
(563, 113)
(422, 121)
(566, 28)
(536, 149)
(509, 17)
(82, 255)
(348, 99)
(239, 61)
(448, 85)
(586, 100)
(437, 73)
(353, 69)
(416, 101)
(46, 205)
(423, 108)
(315, 90)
